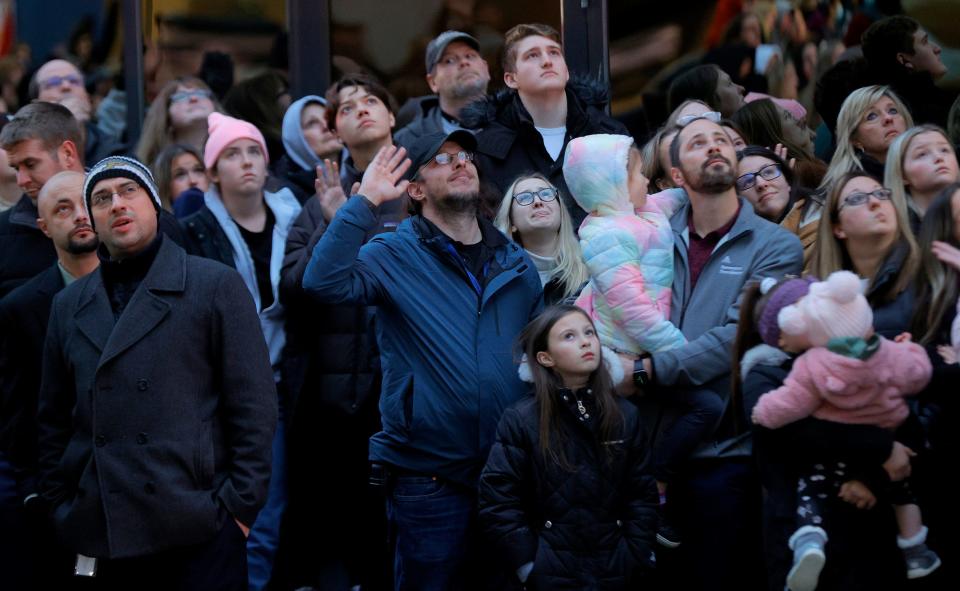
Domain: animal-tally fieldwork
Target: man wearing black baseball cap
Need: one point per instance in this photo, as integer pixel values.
(452, 294)
(458, 75)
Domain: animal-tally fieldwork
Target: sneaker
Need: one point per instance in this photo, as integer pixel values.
(808, 560)
(921, 561)
(667, 535)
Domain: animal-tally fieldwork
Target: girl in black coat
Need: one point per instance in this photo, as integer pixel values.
(566, 495)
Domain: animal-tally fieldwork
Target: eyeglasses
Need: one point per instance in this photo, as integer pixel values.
(185, 95)
(767, 173)
(55, 81)
(545, 194)
(859, 198)
(102, 199)
(443, 158)
(709, 115)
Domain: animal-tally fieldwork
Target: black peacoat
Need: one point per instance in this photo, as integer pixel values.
(156, 428)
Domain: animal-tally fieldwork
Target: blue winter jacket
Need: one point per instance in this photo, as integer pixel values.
(446, 338)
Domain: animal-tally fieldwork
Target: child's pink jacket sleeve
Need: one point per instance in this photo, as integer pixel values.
(796, 399)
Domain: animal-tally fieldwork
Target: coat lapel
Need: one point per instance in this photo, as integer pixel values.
(147, 309)
(94, 317)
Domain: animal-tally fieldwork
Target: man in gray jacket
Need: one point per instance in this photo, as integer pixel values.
(157, 405)
(720, 245)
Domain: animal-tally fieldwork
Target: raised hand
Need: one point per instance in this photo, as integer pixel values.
(947, 253)
(781, 151)
(948, 354)
(329, 191)
(383, 179)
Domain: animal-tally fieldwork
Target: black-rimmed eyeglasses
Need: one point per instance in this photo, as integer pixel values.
(526, 197)
(767, 173)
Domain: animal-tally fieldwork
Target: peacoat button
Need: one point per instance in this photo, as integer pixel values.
(150, 488)
(141, 438)
(143, 384)
(548, 524)
(100, 440)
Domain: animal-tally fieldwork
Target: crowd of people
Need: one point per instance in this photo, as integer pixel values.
(288, 344)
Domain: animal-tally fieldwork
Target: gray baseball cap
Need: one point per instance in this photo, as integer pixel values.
(440, 42)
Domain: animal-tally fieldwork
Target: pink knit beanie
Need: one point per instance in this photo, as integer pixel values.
(798, 111)
(833, 308)
(222, 130)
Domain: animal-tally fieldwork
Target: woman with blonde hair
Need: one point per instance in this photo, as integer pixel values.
(869, 120)
(532, 215)
(921, 162)
(864, 231)
(177, 116)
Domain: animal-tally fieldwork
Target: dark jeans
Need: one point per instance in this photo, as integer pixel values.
(217, 565)
(432, 523)
(719, 517)
(699, 412)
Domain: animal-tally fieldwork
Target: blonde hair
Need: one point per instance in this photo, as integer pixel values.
(845, 158)
(157, 130)
(571, 271)
(650, 158)
(893, 177)
(831, 253)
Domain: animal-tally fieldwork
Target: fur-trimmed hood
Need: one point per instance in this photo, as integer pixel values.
(587, 91)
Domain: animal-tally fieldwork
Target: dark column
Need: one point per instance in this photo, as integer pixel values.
(585, 38)
(133, 67)
(308, 24)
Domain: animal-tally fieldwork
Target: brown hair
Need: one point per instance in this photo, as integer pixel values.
(938, 284)
(365, 81)
(547, 383)
(752, 303)
(163, 170)
(157, 130)
(517, 34)
(831, 254)
(50, 123)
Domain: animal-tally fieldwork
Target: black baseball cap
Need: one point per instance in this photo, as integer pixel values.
(425, 148)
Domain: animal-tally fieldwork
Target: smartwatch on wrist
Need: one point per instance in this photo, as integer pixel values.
(641, 379)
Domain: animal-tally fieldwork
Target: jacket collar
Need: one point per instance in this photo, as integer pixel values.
(24, 213)
(147, 307)
(888, 271)
(747, 221)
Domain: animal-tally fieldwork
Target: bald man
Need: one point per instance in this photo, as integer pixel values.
(23, 316)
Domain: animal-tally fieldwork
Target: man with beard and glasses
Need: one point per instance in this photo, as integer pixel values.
(458, 74)
(720, 245)
(452, 294)
(24, 312)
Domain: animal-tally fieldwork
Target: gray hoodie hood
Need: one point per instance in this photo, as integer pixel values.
(293, 141)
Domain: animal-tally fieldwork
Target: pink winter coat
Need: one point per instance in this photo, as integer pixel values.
(843, 389)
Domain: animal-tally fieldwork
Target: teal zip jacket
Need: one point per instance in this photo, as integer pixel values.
(447, 338)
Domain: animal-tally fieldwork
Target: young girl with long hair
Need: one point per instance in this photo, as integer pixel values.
(572, 454)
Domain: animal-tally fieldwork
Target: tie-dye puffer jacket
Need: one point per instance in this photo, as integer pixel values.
(629, 252)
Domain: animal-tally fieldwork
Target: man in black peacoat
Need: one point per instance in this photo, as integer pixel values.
(157, 405)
